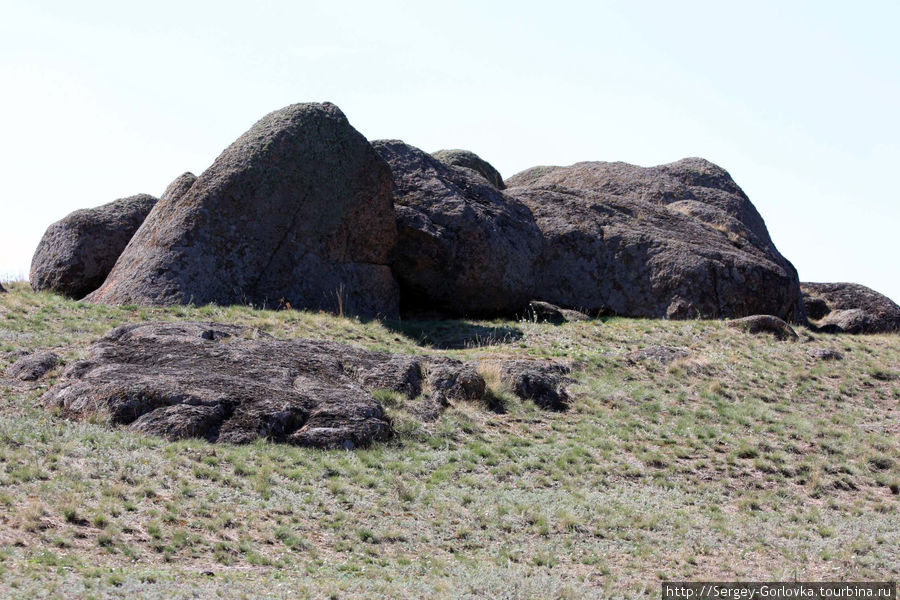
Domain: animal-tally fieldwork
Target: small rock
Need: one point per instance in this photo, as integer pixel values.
(661, 354)
(451, 380)
(765, 324)
(544, 312)
(33, 366)
(826, 354)
(542, 382)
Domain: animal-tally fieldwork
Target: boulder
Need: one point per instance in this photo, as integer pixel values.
(295, 212)
(470, 160)
(464, 247)
(77, 253)
(544, 312)
(33, 366)
(850, 308)
(674, 241)
(765, 324)
(542, 382)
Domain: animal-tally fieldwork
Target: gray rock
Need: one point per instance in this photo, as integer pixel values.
(675, 241)
(850, 308)
(542, 382)
(296, 212)
(544, 312)
(470, 160)
(77, 253)
(765, 324)
(826, 354)
(464, 247)
(660, 354)
(226, 383)
(450, 381)
(32, 367)
(179, 187)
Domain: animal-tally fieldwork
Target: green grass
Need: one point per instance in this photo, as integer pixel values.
(747, 460)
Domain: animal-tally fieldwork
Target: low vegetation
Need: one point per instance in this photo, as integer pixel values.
(748, 459)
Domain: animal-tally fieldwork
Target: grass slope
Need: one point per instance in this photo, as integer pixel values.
(747, 460)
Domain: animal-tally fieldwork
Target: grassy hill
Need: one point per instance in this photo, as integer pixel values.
(749, 459)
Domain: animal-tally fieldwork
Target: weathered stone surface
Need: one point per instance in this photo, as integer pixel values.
(765, 324)
(544, 312)
(850, 308)
(230, 384)
(464, 247)
(449, 381)
(826, 354)
(179, 187)
(296, 212)
(32, 367)
(227, 383)
(77, 253)
(529, 176)
(660, 354)
(470, 160)
(675, 241)
(542, 382)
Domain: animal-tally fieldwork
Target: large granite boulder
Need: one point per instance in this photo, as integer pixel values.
(470, 160)
(296, 212)
(674, 241)
(465, 247)
(77, 253)
(850, 308)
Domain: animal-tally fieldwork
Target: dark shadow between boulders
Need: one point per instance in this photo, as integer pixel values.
(455, 334)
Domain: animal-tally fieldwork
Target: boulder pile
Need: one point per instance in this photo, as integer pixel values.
(302, 211)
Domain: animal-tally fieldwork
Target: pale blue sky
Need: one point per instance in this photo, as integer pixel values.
(797, 100)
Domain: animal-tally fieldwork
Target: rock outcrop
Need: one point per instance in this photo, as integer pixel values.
(77, 253)
(850, 308)
(33, 366)
(765, 324)
(464, 247)
(544, 312)
(470, 160)
(296, 212)
(227, 383)
(674, 241)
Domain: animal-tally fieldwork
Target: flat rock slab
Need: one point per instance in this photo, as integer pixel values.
(227, 383)
(217, 382)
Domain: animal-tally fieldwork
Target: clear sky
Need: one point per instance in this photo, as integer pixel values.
(799, 101)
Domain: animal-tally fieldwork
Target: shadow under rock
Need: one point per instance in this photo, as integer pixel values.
(451, 334)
